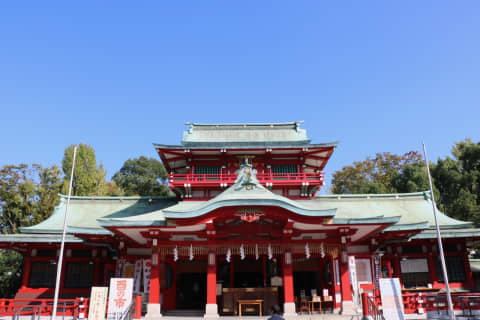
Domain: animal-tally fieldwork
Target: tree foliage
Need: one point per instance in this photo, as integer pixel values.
(10, 272)
(142, 176)
(89, 179)
(458, 180)
(28, 195)
(379, 174)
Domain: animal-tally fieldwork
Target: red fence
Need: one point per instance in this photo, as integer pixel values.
(77, 308)
(44, 307)
(424, 302)
(229, 178)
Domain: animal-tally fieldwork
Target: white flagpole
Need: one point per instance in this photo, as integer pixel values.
(60, 258)
(439, 238)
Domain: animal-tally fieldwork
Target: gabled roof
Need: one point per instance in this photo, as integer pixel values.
(83, 213)
(415, 209)
(201, 134)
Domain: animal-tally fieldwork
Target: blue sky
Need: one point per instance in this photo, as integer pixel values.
(376, 76)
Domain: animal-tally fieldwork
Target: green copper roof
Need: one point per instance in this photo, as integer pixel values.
(448, 233)
(83, 213)
(88, 215)
(36, 238)
(415, 209)
(207, 134)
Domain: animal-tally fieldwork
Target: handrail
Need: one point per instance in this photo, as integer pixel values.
(127, 314)
(41, 307)
(231, 177)
(370, 309)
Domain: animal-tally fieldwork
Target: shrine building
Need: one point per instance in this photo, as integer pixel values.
(245, 222)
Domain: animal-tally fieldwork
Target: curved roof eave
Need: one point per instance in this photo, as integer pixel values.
(409, 226)
(372, 220)
(247, 145)
(128, 223)
(256, 202)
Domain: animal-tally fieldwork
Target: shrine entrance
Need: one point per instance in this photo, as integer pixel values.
(313, 277)
(191, 285)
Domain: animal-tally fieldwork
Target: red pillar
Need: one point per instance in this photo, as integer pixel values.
(154, 307)
(432, 269)
(345, 282)
(347, 303)
(211, 309)
(469, 282)
(154, 296)
(396, 267)
(288, 278)
(211, 279)
(289, 305)
(27, 264)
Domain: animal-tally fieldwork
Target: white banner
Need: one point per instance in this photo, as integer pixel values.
(119, 267)
(121, 291)
(392, 303)
(352, 268)
(98, 303)
(137, 276)
(147, 265)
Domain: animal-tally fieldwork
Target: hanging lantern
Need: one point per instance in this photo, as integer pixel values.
(229, 255)
(256, 252)
(270, 255)
(242, 252)
(175, 254)
(322, 250)
(191, 253)
(307, 251)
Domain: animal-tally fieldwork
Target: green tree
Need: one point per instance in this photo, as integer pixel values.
(458, 180)
(112, 189)
(142, 176)
(88, 178)
(374, 175)
(11, 263)
(17, 197)
(28, 195)
(47, 189)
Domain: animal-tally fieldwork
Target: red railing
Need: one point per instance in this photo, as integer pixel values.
(229, 178)
(76, 308)
(422, 302)
(43, 307)
(370, 309)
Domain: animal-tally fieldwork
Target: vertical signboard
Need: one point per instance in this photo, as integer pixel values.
(352, 268)
(137, 276)
(391, 294)
(121, 291)
(98, 303)
(377, 270)
(147, 265)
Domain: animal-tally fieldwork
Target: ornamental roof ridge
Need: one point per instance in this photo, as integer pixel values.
(64, 197)
(367, 196)
(245, 124)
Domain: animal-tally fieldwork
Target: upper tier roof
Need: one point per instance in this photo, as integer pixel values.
(288, 133)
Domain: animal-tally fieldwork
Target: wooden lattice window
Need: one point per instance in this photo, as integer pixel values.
(42, 275)
(455, 269)
(79, 275)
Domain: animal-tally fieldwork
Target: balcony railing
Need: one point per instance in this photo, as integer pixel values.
(284, 179)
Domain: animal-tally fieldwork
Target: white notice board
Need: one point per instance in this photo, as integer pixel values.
(392, 303)
(121, 291)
